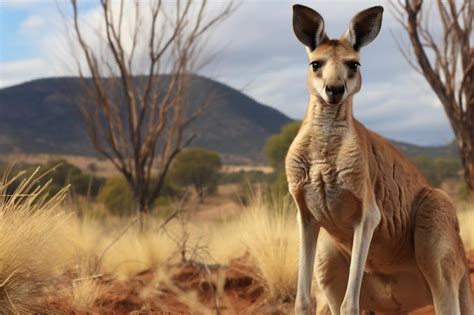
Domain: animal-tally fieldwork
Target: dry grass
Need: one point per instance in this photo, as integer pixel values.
(30, 249)
(136, 252)
(37, 243)
(466, 222)
(269, 232)
(84, 292)
(225, 241)
(189, 298)
(118, 248)
(266, 230)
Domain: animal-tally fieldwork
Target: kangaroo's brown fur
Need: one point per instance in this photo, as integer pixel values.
(389, 242)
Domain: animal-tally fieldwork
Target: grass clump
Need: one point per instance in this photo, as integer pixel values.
(269, 231)
(29, 221)
(118, 247)
(466, 223)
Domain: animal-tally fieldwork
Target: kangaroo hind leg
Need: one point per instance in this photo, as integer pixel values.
(439, 251)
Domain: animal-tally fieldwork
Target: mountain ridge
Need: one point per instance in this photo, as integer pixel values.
(40, 116)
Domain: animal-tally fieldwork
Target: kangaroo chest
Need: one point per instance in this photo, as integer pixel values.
(331, 198)
(331, 179)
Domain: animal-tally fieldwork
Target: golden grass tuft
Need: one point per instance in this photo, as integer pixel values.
(466, 222)
(269, 231)
(117, 247)
(136, 252)
(28, 259)
(85, 292)
(86, 289)
(225, 240)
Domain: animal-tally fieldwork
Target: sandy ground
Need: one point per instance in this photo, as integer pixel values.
(103, 167)
(187, 287)
(239, 292)
(191, 289)
(184, 288)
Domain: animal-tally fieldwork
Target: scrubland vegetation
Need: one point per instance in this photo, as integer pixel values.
(55, 258)
(214, 242)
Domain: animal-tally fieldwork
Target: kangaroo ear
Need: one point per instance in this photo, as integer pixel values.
(308, 26)
(364, 27)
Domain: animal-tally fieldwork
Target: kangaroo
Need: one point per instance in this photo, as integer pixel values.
(380, 238)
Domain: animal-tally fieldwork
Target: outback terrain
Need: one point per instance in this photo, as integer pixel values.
(217, 257)
(235, 252)
(134, 182)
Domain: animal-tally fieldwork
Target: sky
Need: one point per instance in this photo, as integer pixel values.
(258, 54)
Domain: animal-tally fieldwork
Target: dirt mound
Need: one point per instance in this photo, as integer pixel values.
(184, 288)
(189, 287)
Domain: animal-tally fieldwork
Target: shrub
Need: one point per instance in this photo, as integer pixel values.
(61, 173)
(117, 196)
(64, 173)
(437, 170)
(276, 149)
(280, 185)
(245, 177)
(277, 146)
(86, 185)
(198, 168)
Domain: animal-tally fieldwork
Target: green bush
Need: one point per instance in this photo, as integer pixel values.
(117, 196)
(276, 149)
(87, 185)
(198, 168)
(277, 146)
(61, 173)
(280, 185)
(245, 177)
(437, 170)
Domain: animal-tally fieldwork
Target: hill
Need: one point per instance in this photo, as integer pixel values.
(412, 150)
(40, 116)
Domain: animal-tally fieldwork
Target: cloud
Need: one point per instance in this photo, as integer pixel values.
(263, 52)
(22, 70)
(32, 24)
(258, 52)
(19, 4)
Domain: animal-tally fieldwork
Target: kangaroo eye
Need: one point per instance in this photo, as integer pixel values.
(353, 65)
(316, 65)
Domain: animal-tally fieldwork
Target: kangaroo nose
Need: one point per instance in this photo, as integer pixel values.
(334, 90)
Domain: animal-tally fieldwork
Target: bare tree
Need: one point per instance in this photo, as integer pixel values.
(446, 61)
(135, 115)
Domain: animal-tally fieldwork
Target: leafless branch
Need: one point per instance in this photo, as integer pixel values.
(447, 65)
(136, 119)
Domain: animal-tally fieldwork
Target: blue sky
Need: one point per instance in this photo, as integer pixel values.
(12, 49)
(258, 51)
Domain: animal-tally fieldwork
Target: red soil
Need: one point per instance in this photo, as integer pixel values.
(240, 292)
(235, 288)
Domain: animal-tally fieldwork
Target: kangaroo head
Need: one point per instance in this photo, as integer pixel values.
(334, 72)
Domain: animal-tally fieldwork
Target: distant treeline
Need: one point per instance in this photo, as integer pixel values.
(438, 170)
(204, 176)
(59, 173)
